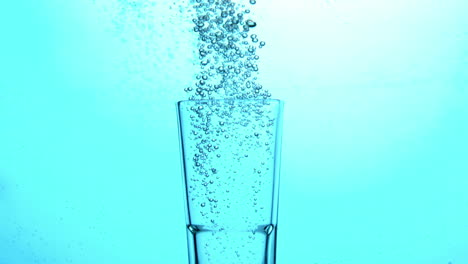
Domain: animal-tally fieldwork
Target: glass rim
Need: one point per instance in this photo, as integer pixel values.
(230, 100)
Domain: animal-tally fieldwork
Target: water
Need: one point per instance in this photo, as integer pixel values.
(377, 122)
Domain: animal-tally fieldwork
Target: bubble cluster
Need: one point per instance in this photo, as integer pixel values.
(229, 162)
(231, 143)
(227, 52)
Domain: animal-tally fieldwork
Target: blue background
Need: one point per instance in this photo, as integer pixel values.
(375, 156)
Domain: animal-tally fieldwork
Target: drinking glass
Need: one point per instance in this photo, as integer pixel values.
(230, 152)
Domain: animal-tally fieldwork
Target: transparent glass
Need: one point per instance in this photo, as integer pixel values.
(231, 160)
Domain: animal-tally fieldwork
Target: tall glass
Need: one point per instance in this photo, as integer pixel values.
(231, 160)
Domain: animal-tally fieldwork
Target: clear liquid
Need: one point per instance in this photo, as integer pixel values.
(230, 245)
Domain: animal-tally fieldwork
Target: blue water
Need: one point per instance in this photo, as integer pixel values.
(374, 148)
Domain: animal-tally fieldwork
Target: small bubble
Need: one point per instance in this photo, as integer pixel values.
(254, 38)
(202, 204)
(253, 2)
(251, 23)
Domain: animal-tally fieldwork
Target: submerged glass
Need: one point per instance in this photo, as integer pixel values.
(231, 159)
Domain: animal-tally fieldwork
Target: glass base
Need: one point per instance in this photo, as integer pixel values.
(230, 246)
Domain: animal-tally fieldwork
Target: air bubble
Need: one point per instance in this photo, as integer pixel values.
(254, 38)
(250, 23)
